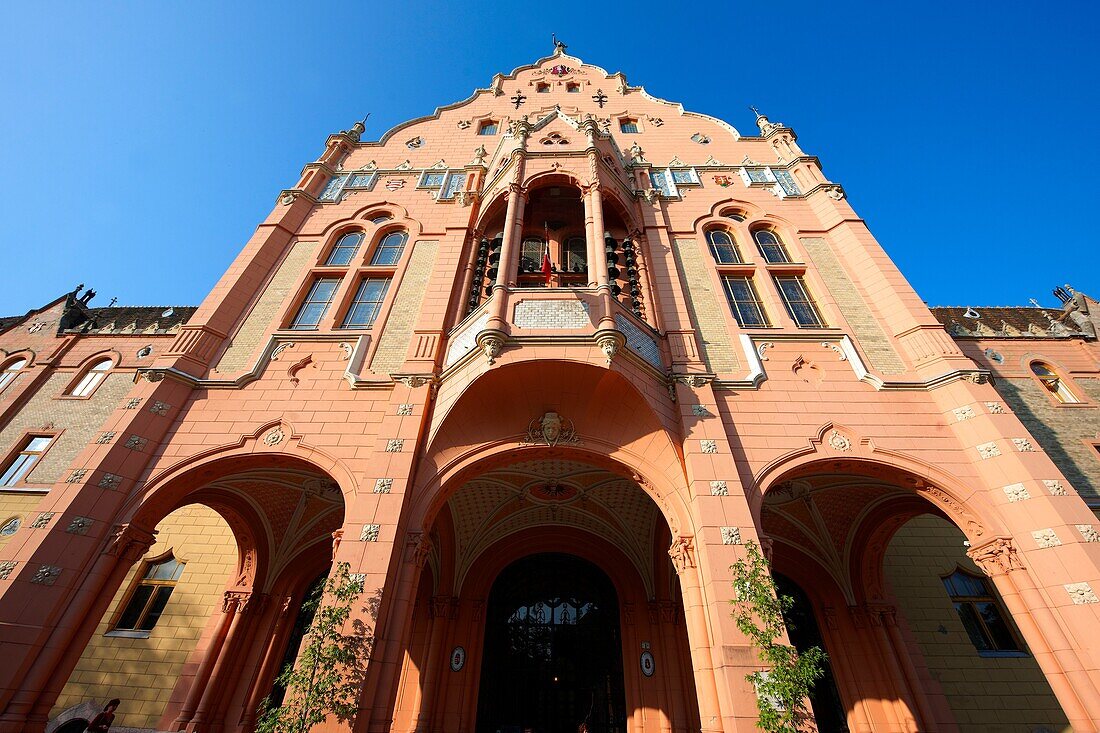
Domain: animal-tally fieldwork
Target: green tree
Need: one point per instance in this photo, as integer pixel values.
(328, 674)
(783, 688)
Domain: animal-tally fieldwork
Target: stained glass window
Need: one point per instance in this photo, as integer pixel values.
(758, 175)
(722, 247)
(432, 180)
(315, 305)
(367, 302)
(745, 302)
(684, 176)
(770, 247)
(345, 249)
(19, 466)
(360, 180)
(390, 249)
(333, 188)
(454, 184)
(800, 305)
(663, 183)
(628, 125)
(980, 613)
(786, 182)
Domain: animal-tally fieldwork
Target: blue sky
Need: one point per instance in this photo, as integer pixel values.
(142, 143)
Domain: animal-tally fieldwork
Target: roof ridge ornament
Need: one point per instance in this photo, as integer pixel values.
(559, 46)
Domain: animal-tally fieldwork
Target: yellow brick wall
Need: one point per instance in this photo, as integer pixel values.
(143, 672)
(987, 695)
(705, 306)
(14, 505)
(254, 330)
(394, 342)
(79, 419)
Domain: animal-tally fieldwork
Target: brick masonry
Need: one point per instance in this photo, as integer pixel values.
(394, 342)
(552, 314)
(707, 313)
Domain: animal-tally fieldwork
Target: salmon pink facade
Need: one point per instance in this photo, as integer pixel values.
(538, 367)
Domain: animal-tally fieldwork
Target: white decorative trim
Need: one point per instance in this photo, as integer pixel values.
(1023, 445)
(719, 488)
(988, 450)
(731, 536)
(1081, 593)
(708, 446)
(1046, 538)
(1016, 492)
(1055, 487)
(963, 413)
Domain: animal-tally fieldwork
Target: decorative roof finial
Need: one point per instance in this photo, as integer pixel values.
(356, 131)
(559, 46)
(765, 125)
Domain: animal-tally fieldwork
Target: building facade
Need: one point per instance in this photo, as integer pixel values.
(537, 367)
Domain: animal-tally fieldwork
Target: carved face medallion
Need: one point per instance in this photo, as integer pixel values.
(551, 427)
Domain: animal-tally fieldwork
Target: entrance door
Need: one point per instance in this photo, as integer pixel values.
(553, 656)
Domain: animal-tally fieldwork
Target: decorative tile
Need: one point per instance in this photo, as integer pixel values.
(76, 476)
(370, 533)
(1081, 593)
(719, 488)
(405, 409)
(1023, 445)
(1089, 533)
(106, 438)
(1016, 492)
(42, 520)
(1055, 487)
(708, 446)
(989, 450)
(839, 442)
(359, 580)
(552, 314)
(79, 525)
(700, 411)
(995, 408)
(132, 403)
(110, 481)
(159, 408)
(47, 575)
(1046, 538)
(963, 413)
(136, 443)
(6, 568)
(383, 485)
(274, 436)
(731, 536)
(396, 445)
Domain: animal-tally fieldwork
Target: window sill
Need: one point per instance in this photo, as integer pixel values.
(127, 634)
(24, 490)
(1003, 654)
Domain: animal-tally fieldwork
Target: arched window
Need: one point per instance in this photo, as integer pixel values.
(345, 249)
(722, 247)
(576, 255)
(1053, 383)
(10, 371)
(770, 246)
(149, 597)
(389, 250)
(980, 613)
(92, 378)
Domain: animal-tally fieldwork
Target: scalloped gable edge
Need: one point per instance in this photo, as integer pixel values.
(498, 78)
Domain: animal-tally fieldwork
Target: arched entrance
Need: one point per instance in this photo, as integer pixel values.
(553, 658)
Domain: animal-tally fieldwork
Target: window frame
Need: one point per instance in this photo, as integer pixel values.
(630, 121)
(757, 301)
(1075, 399)
(336, 246)
(364, 278)
(140, 580)
(20, 448)
(808, 296)
(380, 245)
(709, 232)
(990, 596)
(85, 372)
(314, 280)
(755, 232)
(9, 375)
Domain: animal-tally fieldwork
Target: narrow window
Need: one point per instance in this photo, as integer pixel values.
(1053, 383)
(23, 461)
(530, 257)
(150, 595)
(684, 176)
(367, 302)
(733, 214)
(800, 305)
(542, 87)
(381, 219)
(454, 184)
(628, 125)
(576, 255)
(487, 127)
(770, 247)
(980, 613)
(722, 247)
(431, 180)
(92, 378)
(572, 87)
(315, 305)
(745, 302)
(389, 250)
(345, 249)
(10, 372)
(663, 183)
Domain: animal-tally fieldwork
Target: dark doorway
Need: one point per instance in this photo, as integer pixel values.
(553, 656)
(803, 631)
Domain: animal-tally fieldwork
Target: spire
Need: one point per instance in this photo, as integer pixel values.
(559, 46)
(357, 130)
(766, 126)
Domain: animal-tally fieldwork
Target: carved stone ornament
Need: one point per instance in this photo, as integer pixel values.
(609, 345)
(719, 488)
(996, 557)
(345, 349)
(963, 413)
(1023, 445)
(159, 408)
(110, 481)
(36, 327)
(79, 525)
(132, 403)
(988, 450)
(700, 411)
(834, 346)
(708, 446)
(1016, 492)
(839, 442)
(153, 375)
(419, 546)
(1046, 538)
(274, 436)
(42, 520)
(551, 429)
(491, 346)
(1089, 533)
(695, 380)
(370, 533)
(383, 485)
(762, 348)
(6, 568)
(235, 601)
(76, 476)
(395, 445)
(681, 554)
(278, 350)
(995, 408)
(731, 536)
(1081, 593)
(1055, 487)
(835, 192)
(413, 381)
(48, 574)
(405, 409)
(130, 542)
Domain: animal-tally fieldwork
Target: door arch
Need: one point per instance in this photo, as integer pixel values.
(552, 659)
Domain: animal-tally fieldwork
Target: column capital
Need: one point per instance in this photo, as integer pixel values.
(130, 542)
(999, 556)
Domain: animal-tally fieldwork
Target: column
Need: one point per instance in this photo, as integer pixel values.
(269, 664)
(706, 689)
(209, 660)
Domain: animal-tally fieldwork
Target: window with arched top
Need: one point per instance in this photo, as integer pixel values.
(150, 595)
(92, 378)
(722, 247)
(734, 214)
(771, 247)
(1053, 383)
(344, 249)
(980, 613)
(390, 249)
(11, 371)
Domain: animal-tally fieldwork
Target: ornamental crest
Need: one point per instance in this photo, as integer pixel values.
(723, 181)
(551, 429)
(560, 70)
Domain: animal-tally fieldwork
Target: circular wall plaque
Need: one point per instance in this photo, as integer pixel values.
(648, 666)
(458, 659)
